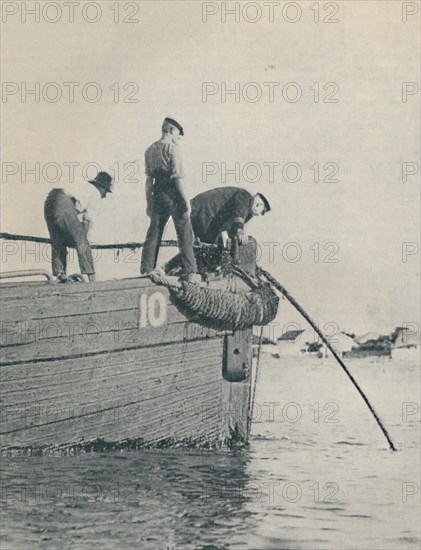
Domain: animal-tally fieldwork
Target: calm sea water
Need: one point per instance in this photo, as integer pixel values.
(317, 475)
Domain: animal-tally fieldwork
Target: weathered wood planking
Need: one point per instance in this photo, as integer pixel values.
(86, 389)
(162, 396)
(94, 381)
(19, 291)
(105, 344)
(193, 424)
(74, 304)
(137, 372)
(34, 373)
(97, 321)
(149, 373)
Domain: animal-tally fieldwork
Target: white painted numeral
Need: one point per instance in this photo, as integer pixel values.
(152, 310)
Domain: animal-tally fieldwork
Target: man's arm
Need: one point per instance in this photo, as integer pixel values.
(149, 183)
(239, 208)
(183, 200)
(149, 195)
(176, 176)
(241, 213)
(86, 222)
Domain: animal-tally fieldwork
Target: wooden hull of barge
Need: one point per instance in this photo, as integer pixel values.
(113, 363)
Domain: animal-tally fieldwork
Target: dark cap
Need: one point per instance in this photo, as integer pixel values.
(104, 180)
(265, 202)
(169, 120)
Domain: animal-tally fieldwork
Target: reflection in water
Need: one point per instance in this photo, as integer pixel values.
(317, 475)
(155, 499)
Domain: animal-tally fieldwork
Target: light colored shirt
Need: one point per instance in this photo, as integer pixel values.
(85, 194)
(164, 156)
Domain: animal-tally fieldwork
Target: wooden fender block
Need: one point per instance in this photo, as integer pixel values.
(236, 359)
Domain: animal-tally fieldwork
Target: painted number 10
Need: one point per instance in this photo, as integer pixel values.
(152, 310)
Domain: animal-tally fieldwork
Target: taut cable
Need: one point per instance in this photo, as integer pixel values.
(307, 317)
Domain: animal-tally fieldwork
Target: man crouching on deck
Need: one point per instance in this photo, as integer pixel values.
(165, 198)
(224, 209)
(68, 222)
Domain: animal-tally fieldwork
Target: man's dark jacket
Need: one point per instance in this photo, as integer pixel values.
(220, 209)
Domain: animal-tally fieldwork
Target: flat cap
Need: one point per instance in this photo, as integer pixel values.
(265, 202)
(169, 120)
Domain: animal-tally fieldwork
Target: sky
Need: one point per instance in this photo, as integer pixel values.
(335, 134)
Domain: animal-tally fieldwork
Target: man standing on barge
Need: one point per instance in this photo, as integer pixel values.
(165, 198)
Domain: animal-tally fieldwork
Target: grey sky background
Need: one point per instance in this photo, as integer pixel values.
(170, 53)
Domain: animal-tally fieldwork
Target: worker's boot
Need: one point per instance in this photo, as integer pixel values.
(63, 278)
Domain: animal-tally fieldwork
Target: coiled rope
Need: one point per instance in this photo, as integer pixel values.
(222, 309)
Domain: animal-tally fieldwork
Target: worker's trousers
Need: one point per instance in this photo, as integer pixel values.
(66, 230)
(160, 216)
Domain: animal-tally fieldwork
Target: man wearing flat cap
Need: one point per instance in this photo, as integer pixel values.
(165, 198)
(66, 211)
(223, 209)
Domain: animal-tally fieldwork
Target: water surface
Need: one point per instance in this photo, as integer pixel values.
(316, 475)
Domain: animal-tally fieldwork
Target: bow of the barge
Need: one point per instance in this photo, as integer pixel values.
(116, 363)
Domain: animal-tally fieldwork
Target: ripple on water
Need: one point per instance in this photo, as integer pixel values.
(208, 499)
(351, 443)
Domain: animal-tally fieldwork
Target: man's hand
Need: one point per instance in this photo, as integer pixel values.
(86, 222)
(183, 208)
(183, 200)
(242, 237)
(149, 196)
(187, 210)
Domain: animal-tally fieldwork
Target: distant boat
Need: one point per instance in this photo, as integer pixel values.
(367, 337)
(306, 343)
(407, 345)
(370, 344)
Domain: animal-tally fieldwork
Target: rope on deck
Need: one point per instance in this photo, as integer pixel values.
(132, 246)
(215, 308)
(222, 309)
